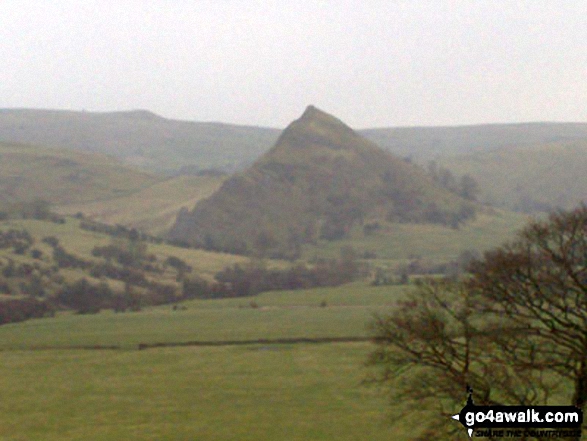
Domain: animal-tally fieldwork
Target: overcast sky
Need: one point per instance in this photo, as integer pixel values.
(371, 63)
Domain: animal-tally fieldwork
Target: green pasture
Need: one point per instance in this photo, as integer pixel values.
(293, 314)
(252, 392)
(356, 294)
(298, 392)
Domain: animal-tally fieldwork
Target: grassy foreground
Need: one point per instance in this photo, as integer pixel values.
(301, 392)
(253, 392)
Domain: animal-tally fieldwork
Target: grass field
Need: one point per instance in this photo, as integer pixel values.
(253, 392)
(296, 314)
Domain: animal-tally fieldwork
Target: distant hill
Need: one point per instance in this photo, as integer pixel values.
(151, 142)
(424, 143)
(319, 180)
(64, 177)
(528, 179)
(139, 138)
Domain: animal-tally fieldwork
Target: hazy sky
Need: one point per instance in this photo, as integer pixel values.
(371, 63)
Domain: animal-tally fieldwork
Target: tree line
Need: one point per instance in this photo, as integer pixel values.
(243, 281)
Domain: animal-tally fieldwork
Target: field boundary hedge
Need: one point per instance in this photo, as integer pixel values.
(262, 341)
(200, 343)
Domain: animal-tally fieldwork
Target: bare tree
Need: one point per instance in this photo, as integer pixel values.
(434, 345)
(538, 284)
(515, 330)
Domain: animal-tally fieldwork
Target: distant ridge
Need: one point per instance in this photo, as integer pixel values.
(319, 180)
(426, 143)
(150, 141)
(139, 137)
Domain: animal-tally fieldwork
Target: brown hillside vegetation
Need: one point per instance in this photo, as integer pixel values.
(319, 180)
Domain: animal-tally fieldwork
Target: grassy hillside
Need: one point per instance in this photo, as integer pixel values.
(98, 186)
(140, 138)
(318, 181)
(152, 209)
(149, 270)
(64, 177)
(397, 243)
(528, 179)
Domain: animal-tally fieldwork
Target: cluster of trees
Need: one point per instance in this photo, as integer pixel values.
(419, 266)
(180, 266)
(125, 274)
(126, 259)
(39, 209)
(85, 297)
(28, 279)
(19, 240)
(235, 281)
(18, 310)
(127, 252)
(129, 233)
(410, 205)
(466, 186)
(118, 231)
(514, 330)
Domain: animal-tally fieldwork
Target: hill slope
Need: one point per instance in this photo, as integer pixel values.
(319, 180)
(152, 209)
(528, 179)
(64, 177)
